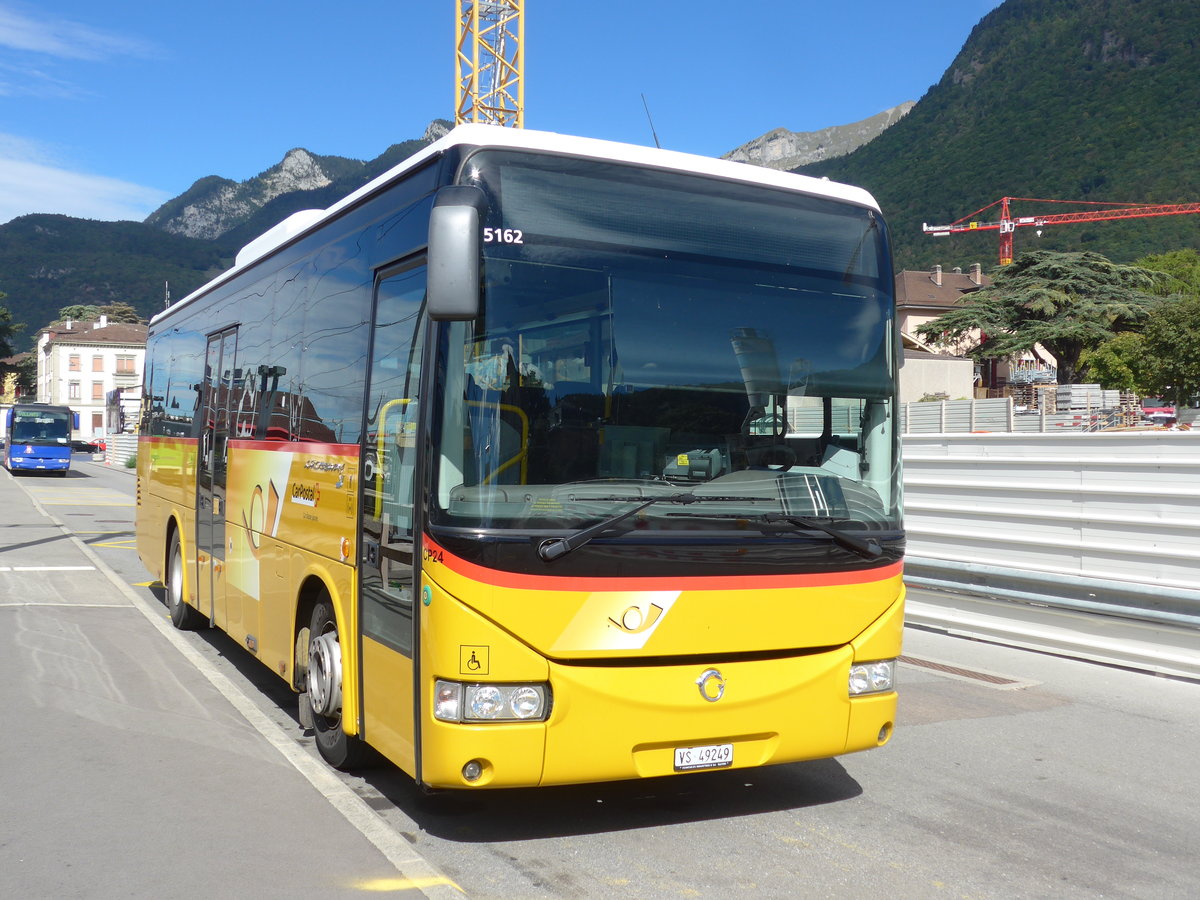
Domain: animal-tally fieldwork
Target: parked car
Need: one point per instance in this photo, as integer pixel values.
(85, 447)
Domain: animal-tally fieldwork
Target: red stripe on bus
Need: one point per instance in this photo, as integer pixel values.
(295, 447)
(278, 446)
(166, 439)
(592, 584)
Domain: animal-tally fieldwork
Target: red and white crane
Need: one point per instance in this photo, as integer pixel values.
(1008, 223)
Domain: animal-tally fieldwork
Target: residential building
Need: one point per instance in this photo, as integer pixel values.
(81, 363)
(922, 297)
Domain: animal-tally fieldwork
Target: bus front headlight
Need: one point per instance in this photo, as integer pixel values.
(456, 701)
(872, 677)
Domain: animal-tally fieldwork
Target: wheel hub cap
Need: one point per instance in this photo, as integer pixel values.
(325, 674)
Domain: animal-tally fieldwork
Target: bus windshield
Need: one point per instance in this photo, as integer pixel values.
(41, 427)
(648, 334)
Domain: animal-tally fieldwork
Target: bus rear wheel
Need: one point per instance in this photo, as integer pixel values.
(183, 617)
(324, 691)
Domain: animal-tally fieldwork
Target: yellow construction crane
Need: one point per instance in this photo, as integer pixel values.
(489, 62)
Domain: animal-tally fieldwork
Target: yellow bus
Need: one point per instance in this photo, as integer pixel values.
(544, 460)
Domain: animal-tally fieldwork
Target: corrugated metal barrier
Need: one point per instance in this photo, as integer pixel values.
(1102, 523)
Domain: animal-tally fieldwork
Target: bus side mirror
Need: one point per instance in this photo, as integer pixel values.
(455, 253)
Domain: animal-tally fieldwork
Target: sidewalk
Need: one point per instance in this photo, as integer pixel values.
(130, 771)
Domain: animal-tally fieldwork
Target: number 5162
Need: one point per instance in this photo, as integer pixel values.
(503, 236)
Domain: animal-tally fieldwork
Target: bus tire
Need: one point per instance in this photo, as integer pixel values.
(324, 692)
(183, 617)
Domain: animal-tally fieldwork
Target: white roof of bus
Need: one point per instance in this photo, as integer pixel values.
(496, 136)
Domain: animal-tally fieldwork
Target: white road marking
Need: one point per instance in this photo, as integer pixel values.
(47, 568)
(417, 873)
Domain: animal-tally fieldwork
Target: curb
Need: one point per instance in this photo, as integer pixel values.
(416, 873)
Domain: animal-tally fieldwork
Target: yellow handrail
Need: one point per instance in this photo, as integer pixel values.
(523, 456)
(379, 452)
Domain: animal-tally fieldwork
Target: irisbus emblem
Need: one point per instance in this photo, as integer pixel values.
(711, 684)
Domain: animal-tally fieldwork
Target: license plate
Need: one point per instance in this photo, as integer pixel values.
(713, 756)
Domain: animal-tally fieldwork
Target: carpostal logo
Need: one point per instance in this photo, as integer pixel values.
(306, 494)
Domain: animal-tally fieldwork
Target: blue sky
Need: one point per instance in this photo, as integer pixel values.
(108, 109)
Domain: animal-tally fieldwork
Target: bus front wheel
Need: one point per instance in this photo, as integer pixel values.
(324, 691)
(183, 616)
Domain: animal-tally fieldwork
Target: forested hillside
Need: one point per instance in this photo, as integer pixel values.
(51, 261)
(1060, 99)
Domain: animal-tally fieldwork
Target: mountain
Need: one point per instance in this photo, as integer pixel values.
(279, 207)
(51, 261)
(214, 207)
(783, 149)
(1061, 99)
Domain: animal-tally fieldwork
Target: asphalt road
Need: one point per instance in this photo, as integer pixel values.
(1012, 774)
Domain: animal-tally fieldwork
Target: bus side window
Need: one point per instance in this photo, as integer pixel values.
(389, 452)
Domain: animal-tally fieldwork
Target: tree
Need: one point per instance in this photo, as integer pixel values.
(1172, 335)
(1172, 343)
(1164, 360)
(1065, 302)
(8, 330)
(120, 312)
(1182, 268)
(89, 312)
(79, 312)
(26, 371)
(1119, 364)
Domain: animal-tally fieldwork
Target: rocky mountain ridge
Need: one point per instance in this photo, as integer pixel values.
(226, 204)
(783, 149)
(214, 206)
(1089, 100)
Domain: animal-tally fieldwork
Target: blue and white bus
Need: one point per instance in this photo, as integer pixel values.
(39, 438)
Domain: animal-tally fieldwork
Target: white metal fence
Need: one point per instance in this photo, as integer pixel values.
(1003, 415)
(1107, 521)
(121, 449)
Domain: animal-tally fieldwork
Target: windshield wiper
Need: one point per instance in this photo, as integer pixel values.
(868, 549)
(554, 548)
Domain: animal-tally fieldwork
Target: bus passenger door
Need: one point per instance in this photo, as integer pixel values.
(210, 475)
(386, 540)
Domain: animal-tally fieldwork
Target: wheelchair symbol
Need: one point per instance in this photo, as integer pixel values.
(474, 660)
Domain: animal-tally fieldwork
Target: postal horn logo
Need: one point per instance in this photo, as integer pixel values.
(635, 621)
